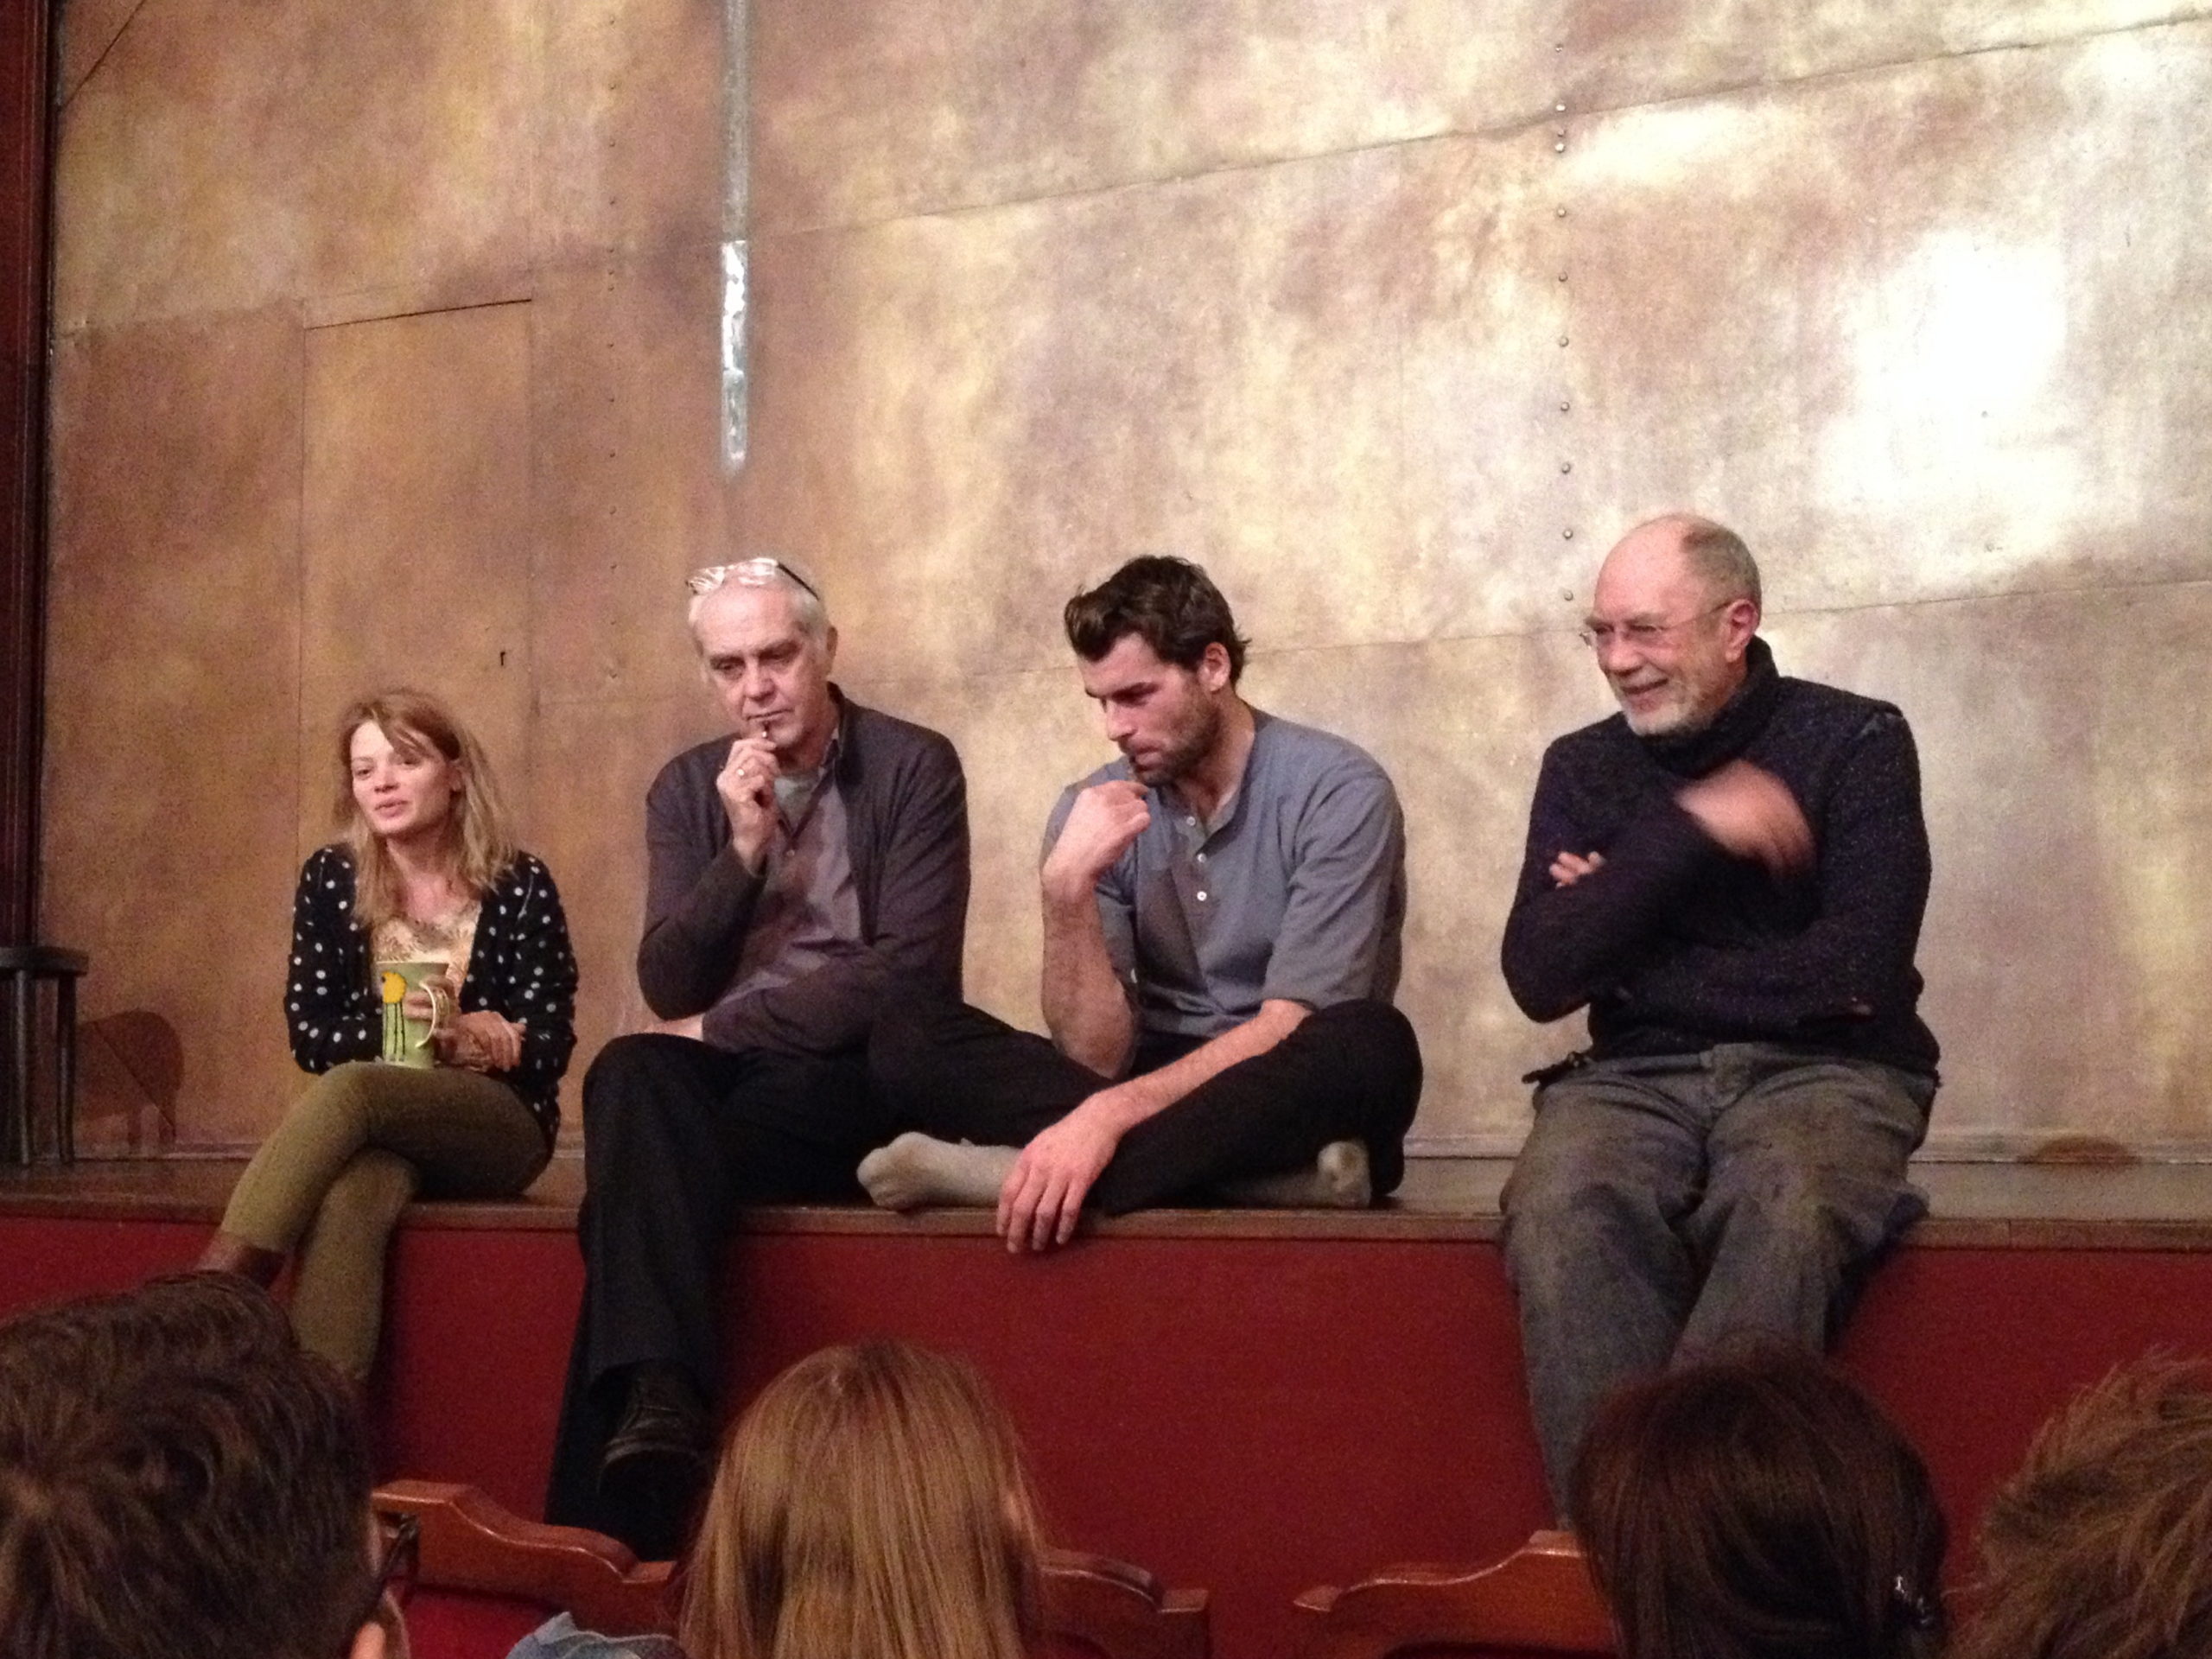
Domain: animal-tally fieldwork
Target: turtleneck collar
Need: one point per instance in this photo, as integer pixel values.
(1692, 754)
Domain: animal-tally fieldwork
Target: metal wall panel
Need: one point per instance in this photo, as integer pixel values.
(1395, 315)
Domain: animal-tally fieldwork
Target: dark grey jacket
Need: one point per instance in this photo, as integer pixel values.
(906, 819)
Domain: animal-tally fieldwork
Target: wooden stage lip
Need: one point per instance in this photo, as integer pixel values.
(1975, 1206)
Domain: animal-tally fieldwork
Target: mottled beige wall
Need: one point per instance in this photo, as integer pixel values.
(1393, 315)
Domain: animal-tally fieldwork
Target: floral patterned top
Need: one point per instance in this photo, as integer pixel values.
(520, 967)
(450, 941)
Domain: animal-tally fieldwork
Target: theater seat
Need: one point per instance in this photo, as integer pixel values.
(1099, 1608)
(488, 1578)
(1539, 1600)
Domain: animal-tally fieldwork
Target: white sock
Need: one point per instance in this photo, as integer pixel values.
(1337, 1180)
(915, 1171)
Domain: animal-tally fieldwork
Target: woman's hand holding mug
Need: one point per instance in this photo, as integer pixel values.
(481, 1041)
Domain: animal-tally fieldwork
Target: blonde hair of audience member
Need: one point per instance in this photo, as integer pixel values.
(479, 833)
(872, 1500)
(2101, 1546)
(1759, 1507)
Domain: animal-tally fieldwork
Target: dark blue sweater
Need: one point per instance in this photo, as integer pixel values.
(1674, 945)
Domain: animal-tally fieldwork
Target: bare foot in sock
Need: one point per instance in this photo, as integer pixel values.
(915, 1171)
(1337, 1179)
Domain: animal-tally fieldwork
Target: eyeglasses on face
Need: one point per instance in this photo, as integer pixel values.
(746, 573)
(1640, 634)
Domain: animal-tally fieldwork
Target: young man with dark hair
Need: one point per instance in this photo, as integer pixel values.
(1222, 913)
(180, 1480)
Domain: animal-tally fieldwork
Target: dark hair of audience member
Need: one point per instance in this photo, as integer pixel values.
(1759, 1507)
(178, 1480)
(1170, 604)
(2101, 1546)
(872, 1501)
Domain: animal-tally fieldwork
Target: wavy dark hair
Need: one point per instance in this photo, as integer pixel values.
(1171, 604)
(178, 1480)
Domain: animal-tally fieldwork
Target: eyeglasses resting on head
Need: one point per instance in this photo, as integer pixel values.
(758, 572)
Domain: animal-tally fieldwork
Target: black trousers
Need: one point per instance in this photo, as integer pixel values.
(677, 1136)
(1349, 1072)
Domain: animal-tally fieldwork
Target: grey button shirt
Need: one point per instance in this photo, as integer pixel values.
(1296, 892)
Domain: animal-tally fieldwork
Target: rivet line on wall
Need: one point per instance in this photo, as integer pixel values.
(1559, 211)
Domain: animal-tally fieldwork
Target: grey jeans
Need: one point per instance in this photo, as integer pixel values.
(1661, 1207)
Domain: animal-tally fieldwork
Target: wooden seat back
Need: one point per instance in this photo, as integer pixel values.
(1095, 1607)
(1539, 1600)
(497, 1574)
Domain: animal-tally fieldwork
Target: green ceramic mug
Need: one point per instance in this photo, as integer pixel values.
(407, 1040)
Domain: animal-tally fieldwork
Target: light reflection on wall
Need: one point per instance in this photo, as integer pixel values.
(1956, 408)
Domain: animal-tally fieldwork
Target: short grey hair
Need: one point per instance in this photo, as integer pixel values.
(1722, 561)
(764, 570)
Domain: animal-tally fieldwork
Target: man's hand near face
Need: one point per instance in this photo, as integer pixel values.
(1104, 823)
(747, 784)
(1751, 814)
(1085, 1008)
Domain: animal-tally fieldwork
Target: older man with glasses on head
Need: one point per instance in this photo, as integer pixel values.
(1729, 875)
(796, 869)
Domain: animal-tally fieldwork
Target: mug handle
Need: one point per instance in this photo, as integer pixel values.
(440, 1009)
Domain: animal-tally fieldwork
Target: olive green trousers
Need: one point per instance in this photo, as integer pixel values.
(352, 1152)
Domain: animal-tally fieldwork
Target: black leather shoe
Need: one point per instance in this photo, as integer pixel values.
(664, 1424)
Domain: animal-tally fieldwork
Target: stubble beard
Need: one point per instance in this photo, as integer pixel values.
(1190, 744)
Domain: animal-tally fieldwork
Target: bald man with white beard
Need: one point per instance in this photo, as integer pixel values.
(1729, 875)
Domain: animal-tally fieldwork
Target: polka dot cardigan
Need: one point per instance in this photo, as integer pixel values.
(521, 968)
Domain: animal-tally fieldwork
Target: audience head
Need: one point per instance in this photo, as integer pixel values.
(1676, 605)
(2100, 1546)
(1759, 1507)
(766, 648)
(872, 1501)
(1170, 604)
(410, 771)
(180, 1480)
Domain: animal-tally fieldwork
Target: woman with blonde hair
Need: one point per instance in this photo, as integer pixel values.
(427, 873)
(872, 1501)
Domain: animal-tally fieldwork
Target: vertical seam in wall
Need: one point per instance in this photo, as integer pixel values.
(300, 588)
(534, 498)
(533, 495)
